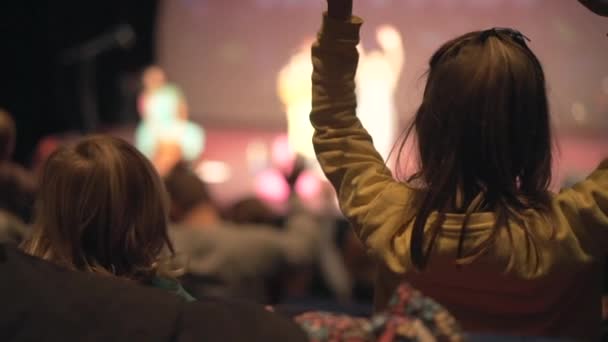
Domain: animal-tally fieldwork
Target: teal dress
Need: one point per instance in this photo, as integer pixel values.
(173, 286)
(162, 123)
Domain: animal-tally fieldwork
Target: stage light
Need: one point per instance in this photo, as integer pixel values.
(308, 186)
(270, 185)
(283, 156)
(213, 172)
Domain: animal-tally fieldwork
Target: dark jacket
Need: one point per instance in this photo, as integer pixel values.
(42, 302)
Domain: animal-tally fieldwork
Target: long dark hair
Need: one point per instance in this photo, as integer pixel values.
(483, 136)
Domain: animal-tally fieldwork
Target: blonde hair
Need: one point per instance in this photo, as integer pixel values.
(101, 208)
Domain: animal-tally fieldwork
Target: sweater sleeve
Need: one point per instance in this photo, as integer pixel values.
(585, 207)
(343, 147)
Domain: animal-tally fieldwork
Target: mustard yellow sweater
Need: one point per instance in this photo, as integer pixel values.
(531, 285)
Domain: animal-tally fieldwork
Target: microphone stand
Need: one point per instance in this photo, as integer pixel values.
(85, 55)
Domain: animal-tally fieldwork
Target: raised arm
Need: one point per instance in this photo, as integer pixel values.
(343, 147)
(585, 207)
(340, 9)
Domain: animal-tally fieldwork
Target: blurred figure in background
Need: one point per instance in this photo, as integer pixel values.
(17, 187)
(251, 210)
(360, 266)
(293, 89)
(235, 259)
(45, 147)
(227, 259)
(17, 192)
(165, 135)
(377, 79)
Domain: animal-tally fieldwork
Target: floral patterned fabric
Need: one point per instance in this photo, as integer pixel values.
(409, 317)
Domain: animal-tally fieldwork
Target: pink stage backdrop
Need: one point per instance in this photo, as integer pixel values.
(226, 54)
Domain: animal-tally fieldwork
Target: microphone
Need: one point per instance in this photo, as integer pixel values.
(122, 36)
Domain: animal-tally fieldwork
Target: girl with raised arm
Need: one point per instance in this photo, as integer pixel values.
(476, 227)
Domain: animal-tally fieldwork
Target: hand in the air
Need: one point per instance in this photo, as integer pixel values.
(340, 9)
(388, 37)
(599, 7)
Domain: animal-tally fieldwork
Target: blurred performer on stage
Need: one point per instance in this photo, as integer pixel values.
(377, 79)
(294, 88)
(165, 135)
(295, 91)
